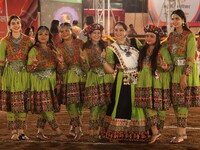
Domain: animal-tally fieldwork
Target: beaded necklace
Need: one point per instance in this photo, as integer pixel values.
(70, 48)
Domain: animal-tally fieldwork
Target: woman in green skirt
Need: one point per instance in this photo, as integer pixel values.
(15, 79)
(153, 86)
(73, 78)
(123, 120)
(98, 84)
(43, 62)
(185, 80)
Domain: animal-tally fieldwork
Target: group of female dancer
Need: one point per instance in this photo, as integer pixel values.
(127, 86)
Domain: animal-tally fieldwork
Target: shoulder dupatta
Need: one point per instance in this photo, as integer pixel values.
(130, 75)
(127, 63)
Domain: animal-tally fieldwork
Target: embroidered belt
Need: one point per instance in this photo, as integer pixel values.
(180, 61)
(98, 70)
(130, 75)
(43, 74)
(130, 78)
(78, 71)
(118, 67)
(17, 66)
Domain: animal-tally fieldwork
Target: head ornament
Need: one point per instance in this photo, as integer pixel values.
(89, 29)
(154, 29)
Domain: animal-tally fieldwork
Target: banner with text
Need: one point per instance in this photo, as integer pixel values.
(158, 11)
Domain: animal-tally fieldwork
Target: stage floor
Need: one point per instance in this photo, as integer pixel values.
(192, 143)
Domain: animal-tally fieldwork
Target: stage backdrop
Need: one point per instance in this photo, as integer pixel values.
(190, 7)
(26, 9)
(62, 10)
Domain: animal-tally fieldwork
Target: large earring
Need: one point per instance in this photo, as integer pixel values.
(183, 24)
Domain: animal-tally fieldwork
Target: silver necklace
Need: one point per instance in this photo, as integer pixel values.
(126, 50)
(69, 48)
(17, 40)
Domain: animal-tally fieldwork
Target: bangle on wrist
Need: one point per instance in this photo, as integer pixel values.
(103, 60)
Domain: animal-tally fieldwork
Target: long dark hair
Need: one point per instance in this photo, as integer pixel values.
(27, 31)
(89, 20)
(153, 57)
(181, 14)
(54, 26)
(37, 42)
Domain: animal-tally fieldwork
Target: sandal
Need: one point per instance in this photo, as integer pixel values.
(78, 135)
(72, 133)
(15, 136)
(154, 138)
(178, 138)
(100, 136)
(184, 136)
(23, 137)
(41, 136)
